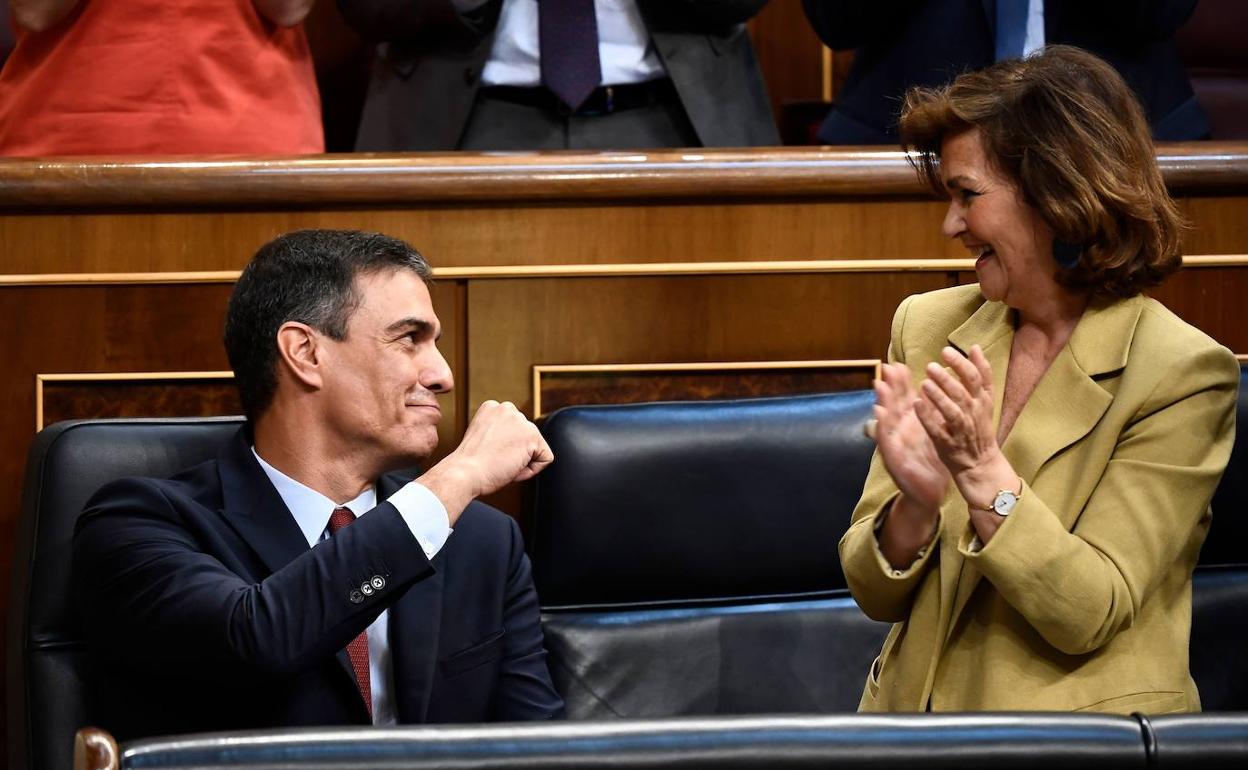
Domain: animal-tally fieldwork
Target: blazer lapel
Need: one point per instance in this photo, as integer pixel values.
(254, 508)
(257, 512)
(992, 328)
(1065, 406)
(415, 628)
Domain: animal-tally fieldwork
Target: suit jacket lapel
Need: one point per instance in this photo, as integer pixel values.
(992, 328)
(415, 627)
(254, 508)
(1065, 406)
(257, 512)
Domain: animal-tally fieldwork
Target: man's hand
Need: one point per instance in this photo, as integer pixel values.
(499, 447)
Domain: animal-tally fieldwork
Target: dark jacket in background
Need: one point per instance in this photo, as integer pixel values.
(903, 43)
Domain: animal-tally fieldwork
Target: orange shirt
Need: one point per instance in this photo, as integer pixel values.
(160, 77)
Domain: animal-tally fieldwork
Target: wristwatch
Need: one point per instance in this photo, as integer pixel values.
(1003, 504)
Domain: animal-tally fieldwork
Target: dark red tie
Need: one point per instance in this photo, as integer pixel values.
(567, 32)
(357, 648)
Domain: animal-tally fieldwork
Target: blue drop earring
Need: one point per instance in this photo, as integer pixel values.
(1066, 254)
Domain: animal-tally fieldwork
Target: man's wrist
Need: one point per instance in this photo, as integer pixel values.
(452, 484)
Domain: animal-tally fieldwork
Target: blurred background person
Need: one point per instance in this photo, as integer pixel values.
(902, 43)
(91, 77)
(1034, 512)
(584, 74)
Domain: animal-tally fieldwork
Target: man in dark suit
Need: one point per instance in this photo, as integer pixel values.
(297, 579)
(464, 74)
(902, 43)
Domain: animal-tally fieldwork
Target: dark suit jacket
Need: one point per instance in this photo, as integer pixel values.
(426, 77)
(903, 43)
(204, 609)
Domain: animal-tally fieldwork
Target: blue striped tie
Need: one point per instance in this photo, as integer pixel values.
(568, 36)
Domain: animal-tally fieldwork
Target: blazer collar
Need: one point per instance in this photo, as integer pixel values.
(1068, 401)
(254, 508)
(1065, 406)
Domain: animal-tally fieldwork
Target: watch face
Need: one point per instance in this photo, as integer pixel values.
(1004, 502)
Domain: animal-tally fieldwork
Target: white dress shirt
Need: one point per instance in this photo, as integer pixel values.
(1033, 40)
(426, 517)
(624, 49)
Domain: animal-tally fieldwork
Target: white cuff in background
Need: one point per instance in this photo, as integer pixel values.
(425, 515)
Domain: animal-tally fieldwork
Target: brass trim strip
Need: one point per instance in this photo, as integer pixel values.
(40, 379)
(709, 366)
(826, 79)
(619, 269)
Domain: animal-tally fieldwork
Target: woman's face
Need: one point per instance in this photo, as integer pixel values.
(1011, 242)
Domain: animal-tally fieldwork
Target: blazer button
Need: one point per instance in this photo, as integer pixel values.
(378, 582)
(356, 597)
(470, 76)
(366, 588)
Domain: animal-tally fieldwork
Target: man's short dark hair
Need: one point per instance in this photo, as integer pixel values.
(307, 276)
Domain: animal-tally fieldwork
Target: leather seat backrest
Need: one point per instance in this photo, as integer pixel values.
(1220, 585)
(696, 500)
(685, 555)
(67, 463)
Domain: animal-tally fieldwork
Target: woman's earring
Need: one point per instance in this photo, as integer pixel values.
(1066, 254)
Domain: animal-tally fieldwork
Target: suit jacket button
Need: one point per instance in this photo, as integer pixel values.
(470, 76)
(366, 588)
(378, 582)
(356, 597)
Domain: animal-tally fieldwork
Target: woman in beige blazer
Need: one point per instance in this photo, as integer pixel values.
(1036, 505)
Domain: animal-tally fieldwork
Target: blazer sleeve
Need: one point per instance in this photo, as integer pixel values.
(151, 596)
(699, 15)
(433, 21)
(847, 24)
(525, 691)
(883, 593)
(1079, 588)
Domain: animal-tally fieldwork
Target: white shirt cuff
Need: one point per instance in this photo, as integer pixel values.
(425, 515)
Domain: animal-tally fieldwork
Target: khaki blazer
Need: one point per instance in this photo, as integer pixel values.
(1082, 599)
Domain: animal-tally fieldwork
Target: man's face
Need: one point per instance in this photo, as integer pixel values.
(381, 380)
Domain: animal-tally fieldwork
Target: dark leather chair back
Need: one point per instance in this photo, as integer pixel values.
(67, 463)
(1220, 585)
(685, 555)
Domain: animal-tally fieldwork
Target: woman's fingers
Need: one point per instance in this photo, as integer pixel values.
(953, 413)
(982, 367)
(967, 372)
(939, 377)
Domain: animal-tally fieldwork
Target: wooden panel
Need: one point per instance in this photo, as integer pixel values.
(518, 323)
(558, 387)
(588, 234)
(77, 243)
(88, 399)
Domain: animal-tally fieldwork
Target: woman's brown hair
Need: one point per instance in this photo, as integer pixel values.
(1065, 127)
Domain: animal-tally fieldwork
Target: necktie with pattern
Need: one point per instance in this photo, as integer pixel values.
(568, 36)
(357, 648)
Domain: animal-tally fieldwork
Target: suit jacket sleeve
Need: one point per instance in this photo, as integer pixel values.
(436, 22)
(1079, 588)
(152, 595)
(700, 15)
(882, 592)
(846, 24)
(525, 691)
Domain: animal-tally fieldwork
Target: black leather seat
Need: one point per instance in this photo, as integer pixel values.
(67, 463)
(685, 555)
(1220, 585)
(853, 741)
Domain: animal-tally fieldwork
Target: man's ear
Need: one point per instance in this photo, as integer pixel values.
(300, 354)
